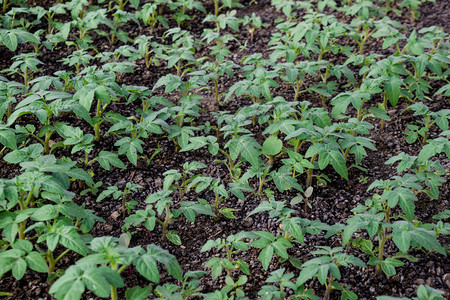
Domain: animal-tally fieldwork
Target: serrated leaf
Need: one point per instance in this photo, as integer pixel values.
(265, 256)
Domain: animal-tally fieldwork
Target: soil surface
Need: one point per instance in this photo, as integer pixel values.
(330, 204)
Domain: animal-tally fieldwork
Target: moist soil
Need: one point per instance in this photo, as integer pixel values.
(331, 204)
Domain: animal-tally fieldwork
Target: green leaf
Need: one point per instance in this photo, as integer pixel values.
(106, 158)
(388, 266)
(174, 238)
(8, 138)
(166, 259)
(265, 256)
(280, 248)
(93, 279)
(36, 262)
(392, 87)
(138, 293)
(19, 268)
(44, 213)
(306, 274)
(9, 39)
(135, 3)
(264, 206)
(70, 290)
(338, 162)
(147, 267)
(248, 150)
(208, 246)
(272, 146)
(323, 273)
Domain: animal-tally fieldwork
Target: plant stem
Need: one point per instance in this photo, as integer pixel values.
(51, 262)
(166, 222)
(216, 205)
(216, 92)
(97, 125)
(230, 162)
(124, 203)
(216, 8)
(261, 183)
(384, 107)
(310, 172)
(382, 238)
(329, 287)
(427, 126)
(48, 134)
(113, 293)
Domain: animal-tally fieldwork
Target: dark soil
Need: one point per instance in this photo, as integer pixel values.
(331, 204)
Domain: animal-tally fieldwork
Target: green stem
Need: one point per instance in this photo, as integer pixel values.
(298, 145)
(216, 7)
(97, 125)
(86, 160)
(166, 222)
(329, 288)
(346, 153)
(114, 293)
(124, 203)
(261, 183)
(310, 172)
(230, 162)
(216, 205)
(29, 199)
(216, 92)
(51, 262)
(61, 255)
(48, 134)
(25, 77)
(179, 68)
(363, 42)
(427, 126)
(382, 240)
(297, 90)
(384, 107)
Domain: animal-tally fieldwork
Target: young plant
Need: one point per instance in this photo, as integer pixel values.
(44, 105)
(190, 287)
(25, 64)
(429, 118)
(173, 176)
(116, 193)
(100, 272)
(326, 267)
(92, 84)
(182, 6)
(180, 53)
(146, 49)
(8, 92)
(375, 217)
(83, 142)
(255, 23)
(78, 58)
(225, 3)
(224, 20)
(149, 14)
(232, 245)
(120, 18)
